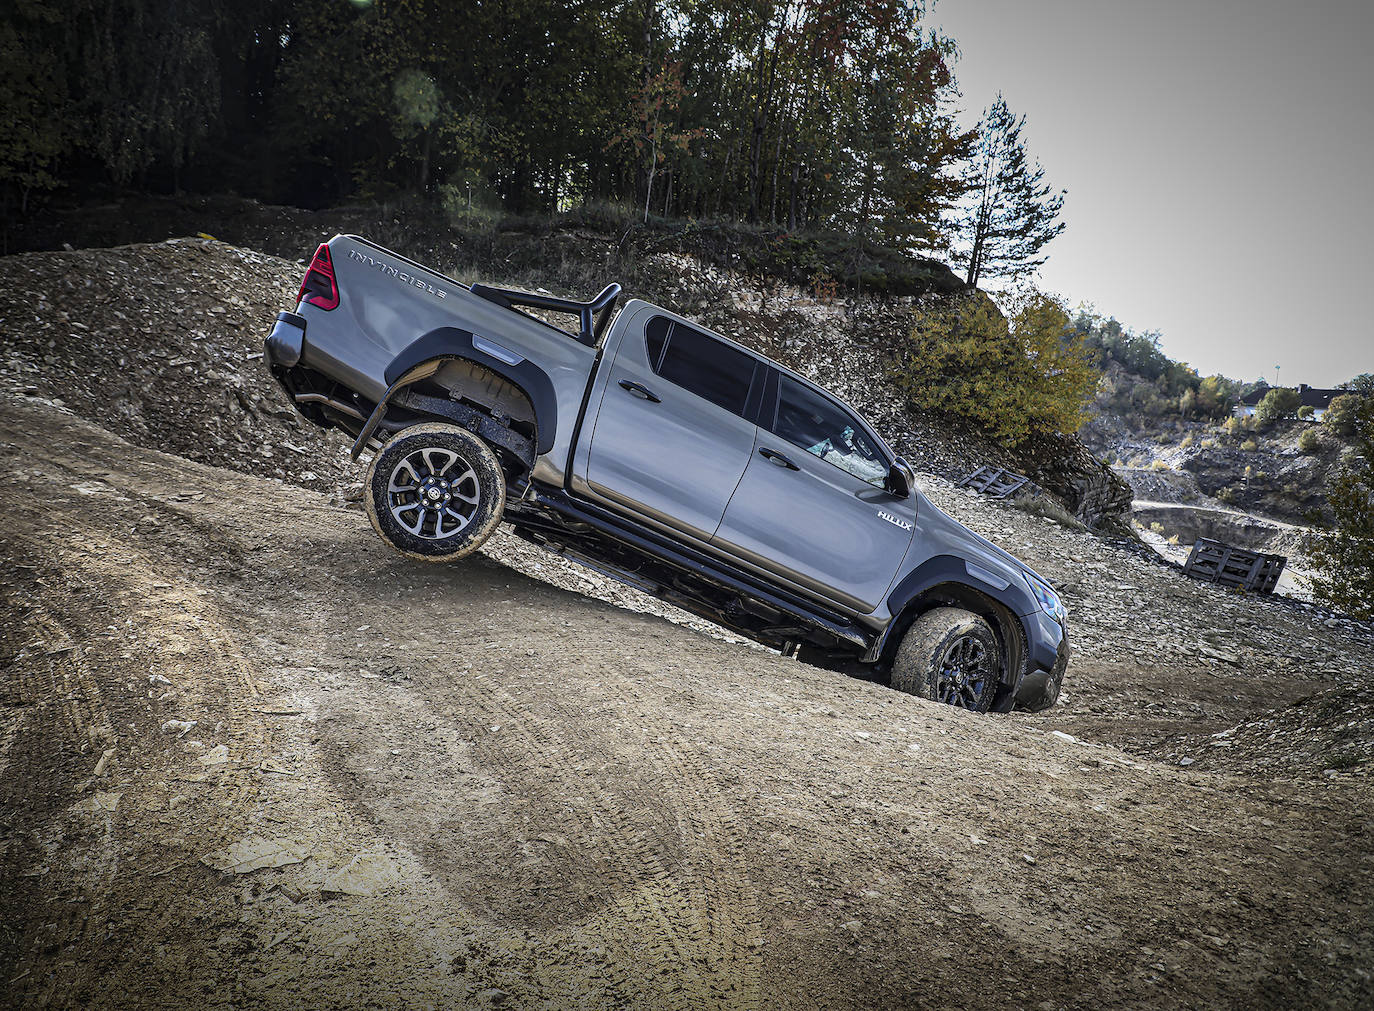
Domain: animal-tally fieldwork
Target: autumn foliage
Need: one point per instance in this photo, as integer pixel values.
(1015, 375)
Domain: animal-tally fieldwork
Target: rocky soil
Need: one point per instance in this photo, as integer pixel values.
(251, 758)
(843, 341)
(1198, 462)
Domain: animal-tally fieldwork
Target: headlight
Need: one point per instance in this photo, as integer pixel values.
(1049, 600)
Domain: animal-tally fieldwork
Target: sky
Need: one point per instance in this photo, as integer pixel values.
(1219, 162)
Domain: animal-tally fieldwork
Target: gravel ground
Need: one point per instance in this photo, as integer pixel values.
(250, 757)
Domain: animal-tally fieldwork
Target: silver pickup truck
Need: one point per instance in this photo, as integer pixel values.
(646, 447)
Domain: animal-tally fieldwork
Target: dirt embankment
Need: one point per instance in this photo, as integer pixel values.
(468, 785)
(847, 343)
(249, 757)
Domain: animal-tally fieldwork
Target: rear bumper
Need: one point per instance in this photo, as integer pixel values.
(286, 342)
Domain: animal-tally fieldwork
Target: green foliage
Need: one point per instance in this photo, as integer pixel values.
(1145, 379)
(1014, 376)
(1363, 383)
(1344, 556)
(1280, 402)
(1216, 396)
(1309, 442)
(830, 118)
(1250, 445)
(33, 88)
(1341, 413)
(1305, 412)
(1014, 213)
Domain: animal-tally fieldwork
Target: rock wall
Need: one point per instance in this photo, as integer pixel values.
(1188, 523)
(1066, 468)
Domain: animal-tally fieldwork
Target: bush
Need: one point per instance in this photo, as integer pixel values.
(1014, 376)
(1280, 402)
(1340, 415)
(1308, 442)
(1227, 495)
(1158, 465)
(1250, 445)
(1187, 441)
(1207, 443)
(1306, 412)
(1234, 427)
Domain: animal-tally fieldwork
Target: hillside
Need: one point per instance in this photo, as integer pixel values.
(1262, 472)
(574, 798)
(844, 343)
(511, 782)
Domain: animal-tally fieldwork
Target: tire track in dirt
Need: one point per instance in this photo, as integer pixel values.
(114, 625)
(566, 857)
(679, 925)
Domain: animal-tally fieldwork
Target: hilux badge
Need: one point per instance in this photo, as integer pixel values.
(904, 524)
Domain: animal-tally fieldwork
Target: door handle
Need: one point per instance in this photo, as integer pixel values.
(774, 457)
(639, 391)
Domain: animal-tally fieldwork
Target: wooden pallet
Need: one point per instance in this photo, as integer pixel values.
(995, 481)
(1215, 562)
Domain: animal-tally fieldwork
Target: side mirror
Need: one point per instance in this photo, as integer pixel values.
(901, 478)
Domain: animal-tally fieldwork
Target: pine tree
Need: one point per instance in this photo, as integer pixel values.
(1014, 212)
(1344, 555)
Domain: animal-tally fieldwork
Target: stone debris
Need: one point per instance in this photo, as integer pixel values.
(365, 874)
(254, 854)
(104, 763)
(98, 802)
(218, 755)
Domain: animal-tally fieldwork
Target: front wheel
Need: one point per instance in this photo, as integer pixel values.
(435, 492)
(949, 655)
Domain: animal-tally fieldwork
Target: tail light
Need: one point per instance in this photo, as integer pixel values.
(319, 287)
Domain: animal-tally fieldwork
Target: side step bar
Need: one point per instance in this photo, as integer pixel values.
(650, 543)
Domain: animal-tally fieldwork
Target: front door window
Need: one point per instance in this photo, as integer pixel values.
(822, 427)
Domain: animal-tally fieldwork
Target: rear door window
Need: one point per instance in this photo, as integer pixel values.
(700, 364)
(820, 426)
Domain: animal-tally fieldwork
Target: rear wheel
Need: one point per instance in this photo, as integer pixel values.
(949, 655)
(435, 492)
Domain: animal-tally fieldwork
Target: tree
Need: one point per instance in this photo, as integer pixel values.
(1216, 395)
(35, 127)
(1344, 555)
(830, 116)
(1014, 213)
(649, 133)
(1340, 414)
(1280, 402)
(1014, 376)
(155, 107)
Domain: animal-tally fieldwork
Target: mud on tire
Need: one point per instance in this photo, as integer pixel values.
(435, 492)
(949, 655)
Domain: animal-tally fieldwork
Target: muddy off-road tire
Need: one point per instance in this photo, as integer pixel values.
(435, 492)
(949, 655)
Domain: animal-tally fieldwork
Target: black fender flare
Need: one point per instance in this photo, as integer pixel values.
(454, 343)
(948, 578)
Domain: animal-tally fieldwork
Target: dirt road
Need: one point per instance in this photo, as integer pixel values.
(479, 788)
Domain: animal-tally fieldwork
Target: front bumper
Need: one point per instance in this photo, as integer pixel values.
(1039, 689)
